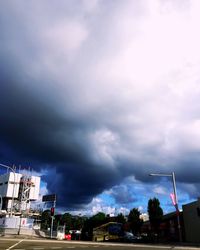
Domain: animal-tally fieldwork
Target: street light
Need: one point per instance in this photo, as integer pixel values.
(13, 169)
(172, 175)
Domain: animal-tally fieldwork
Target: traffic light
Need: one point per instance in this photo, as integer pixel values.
(52, 211)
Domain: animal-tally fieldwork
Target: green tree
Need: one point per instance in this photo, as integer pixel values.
(57, 221)
(120, 218)
(67, 221)
(98, 219)
(87, 229)
(77, 222)
(45, 219)
(155, 213)
(92, 222)
(134, 220)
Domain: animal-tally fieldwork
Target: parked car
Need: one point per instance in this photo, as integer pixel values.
(68, 237)
(129, 237)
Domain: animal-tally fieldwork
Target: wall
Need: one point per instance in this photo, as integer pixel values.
(14, 222)
(191, 216)
(7, 185)
(34, 192)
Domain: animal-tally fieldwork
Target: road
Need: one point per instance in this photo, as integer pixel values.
(28, 244)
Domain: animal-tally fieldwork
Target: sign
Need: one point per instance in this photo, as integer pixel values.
(173, 199)
(50, 197)
(174, 202)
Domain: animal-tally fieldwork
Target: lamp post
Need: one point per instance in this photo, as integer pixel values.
(172, 175)
(13, 169)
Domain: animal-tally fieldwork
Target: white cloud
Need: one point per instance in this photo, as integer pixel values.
(160, 190)
(90, 6)
(64, 37)
(98, 205)
(140, 208)
(103, 145)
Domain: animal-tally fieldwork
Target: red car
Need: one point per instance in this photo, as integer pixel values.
(67, 236)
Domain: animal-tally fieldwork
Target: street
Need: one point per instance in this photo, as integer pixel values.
(38, 244)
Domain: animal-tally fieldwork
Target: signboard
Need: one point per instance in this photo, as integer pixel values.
(50, 197)
(174, 202)
(173, 199)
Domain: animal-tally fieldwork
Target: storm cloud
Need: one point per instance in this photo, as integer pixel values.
(93, 92)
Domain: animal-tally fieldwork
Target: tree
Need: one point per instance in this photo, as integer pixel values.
(57, 221)
(77, 222)
(45, 219)
(92, 222)
(134, 220)
(120, 218)
(155, 213)
(98, 219)
(67, 221)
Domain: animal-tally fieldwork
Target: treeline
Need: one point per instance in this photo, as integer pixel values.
(132, 222)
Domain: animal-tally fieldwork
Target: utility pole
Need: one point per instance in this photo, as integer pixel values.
(51, 198)
(172, 175)
(52, 217)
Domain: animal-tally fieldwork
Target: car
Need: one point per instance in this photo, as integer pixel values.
(130, 237)
(68, 237)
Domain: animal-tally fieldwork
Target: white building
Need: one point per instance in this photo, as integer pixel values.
(144, 217)
(18, 190)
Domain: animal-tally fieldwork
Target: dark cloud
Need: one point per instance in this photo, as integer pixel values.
(81, 98)
(38, 135)
(123, 195)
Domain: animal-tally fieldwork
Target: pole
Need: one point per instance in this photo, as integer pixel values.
(177, 210)
(176, 199)
(1, 200)
(52, 218)
(20, 222)
(13, 191)
(51, 226)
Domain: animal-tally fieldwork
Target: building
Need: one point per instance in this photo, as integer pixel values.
(17, 190)
(144, 217)
(191, 216)
(168, 228)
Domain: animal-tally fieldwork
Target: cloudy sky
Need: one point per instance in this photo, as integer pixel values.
(97, 94)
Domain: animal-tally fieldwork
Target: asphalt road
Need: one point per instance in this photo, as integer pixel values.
(25, 244)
